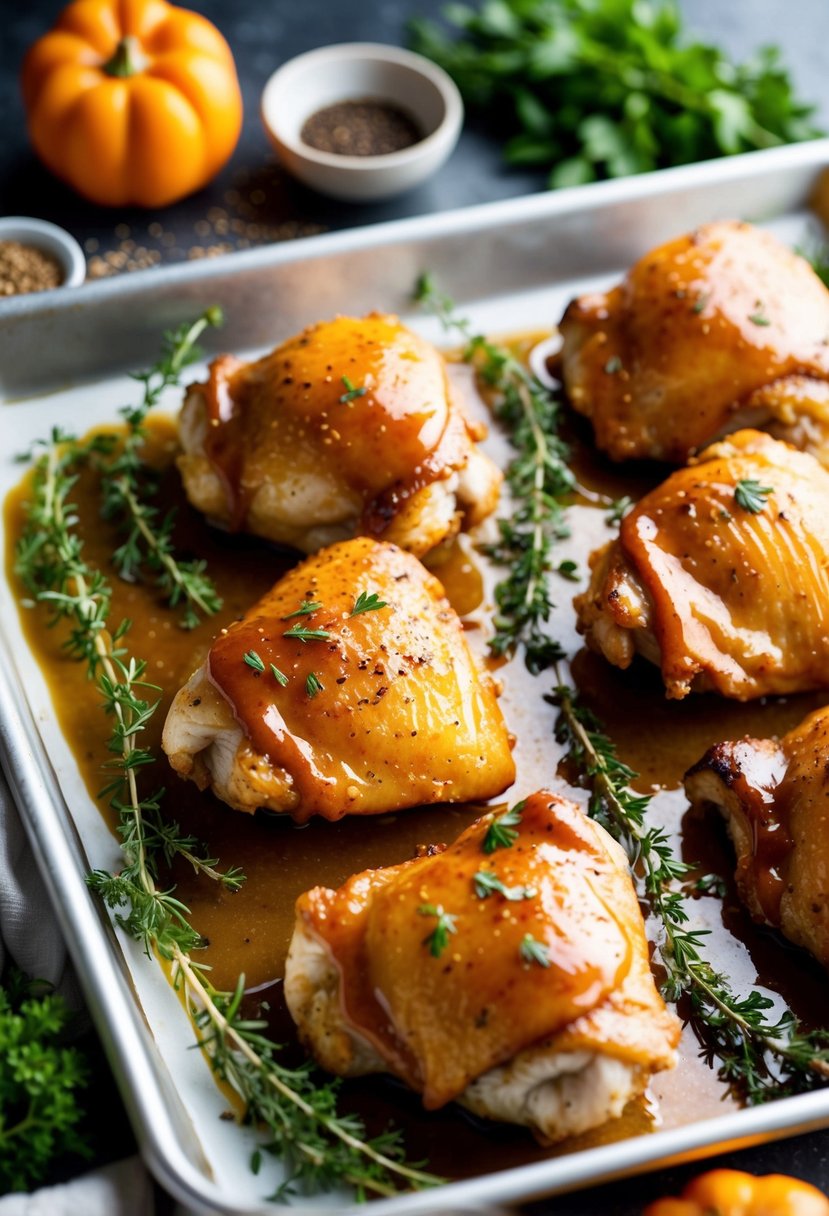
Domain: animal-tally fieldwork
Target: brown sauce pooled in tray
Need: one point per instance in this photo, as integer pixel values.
(249, 931)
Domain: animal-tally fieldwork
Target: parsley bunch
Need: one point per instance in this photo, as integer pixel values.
(605, 88)
(40, 1079)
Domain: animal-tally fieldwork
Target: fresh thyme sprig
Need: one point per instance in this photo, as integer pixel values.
(320, 1147)
(750, 495)
(129, 485)
(758, 1057)
(539, 478)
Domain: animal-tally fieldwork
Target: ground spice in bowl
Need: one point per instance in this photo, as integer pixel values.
(23, 268)
(364, 127)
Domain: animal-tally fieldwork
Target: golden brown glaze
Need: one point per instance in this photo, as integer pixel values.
(722, 598)
(351, 427)
(403, 715)
(775, 797)
(441, 1022)
(702, 336)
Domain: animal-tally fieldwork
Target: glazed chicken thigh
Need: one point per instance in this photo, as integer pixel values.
(717, 330)
(350, 428)
(721, 575)
(513, 979)
(349, 689)
(775, 799)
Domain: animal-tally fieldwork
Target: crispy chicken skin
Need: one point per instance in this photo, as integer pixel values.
(350, 428)
(719, 329)
(559, 1048)
(775, 799)
(723, 599)
(404, 716)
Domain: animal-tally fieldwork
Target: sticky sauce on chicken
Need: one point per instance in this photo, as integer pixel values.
(538, 979)
(722, 328)
(721, 596)
(350, 428)
(775, 799)
(348, 689)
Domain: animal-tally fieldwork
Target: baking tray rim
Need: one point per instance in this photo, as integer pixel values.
(48, 822)
(457, 221)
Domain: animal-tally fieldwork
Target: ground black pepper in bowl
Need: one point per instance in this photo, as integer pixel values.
(364, 127)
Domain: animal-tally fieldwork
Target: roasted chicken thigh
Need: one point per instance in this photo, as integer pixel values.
(775, 799)
(350, 428)
(349, 689)
(512, 979)
(717, 330)
(721, 575)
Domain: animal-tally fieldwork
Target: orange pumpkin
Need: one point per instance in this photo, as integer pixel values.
(732, 1193)
(132, 101)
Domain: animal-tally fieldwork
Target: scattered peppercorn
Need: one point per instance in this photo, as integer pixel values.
(361, 128)
(23, 268)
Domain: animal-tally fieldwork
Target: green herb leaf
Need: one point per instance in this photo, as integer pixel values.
(486, 883)
(307, 635)
(367, 602)
(253, 660)
(502, 833)
(539, 478)
(750, 495)
(758, 317)
(41, 1081)
(618, 510)
(306, 607)
(278, 675)
(604, 88)
(533, 951)
(313, 684)
(613, 365)
(351, 391)
(438, 939)
(569, 570)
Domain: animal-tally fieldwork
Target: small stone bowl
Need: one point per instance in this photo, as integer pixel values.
(50, 239)
(355, 71)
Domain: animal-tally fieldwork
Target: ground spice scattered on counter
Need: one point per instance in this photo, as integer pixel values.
(24, 268)
(360, 128)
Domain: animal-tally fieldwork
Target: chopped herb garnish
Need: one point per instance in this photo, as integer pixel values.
(613, 365)
(253, 660)
(306, 607)
(533, 951)
(313, 684)
(307, 635)
(618, 510)
(278, 675)
(486, 884)
(351, 391)
(750, 495)
(367, 602)
(701, 301)
(711, 884)
(503, 831)
(438, 939)
(758, 317)
(569, 570)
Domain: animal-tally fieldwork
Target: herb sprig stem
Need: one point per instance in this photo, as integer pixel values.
(736, 1028)
(320, 1147)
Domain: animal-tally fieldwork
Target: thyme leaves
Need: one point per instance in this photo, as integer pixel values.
(539, 479)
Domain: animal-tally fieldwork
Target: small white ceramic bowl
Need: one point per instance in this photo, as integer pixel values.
(354, 71)
(49, 238)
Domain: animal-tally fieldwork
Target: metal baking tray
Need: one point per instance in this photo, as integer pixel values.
(63, 360)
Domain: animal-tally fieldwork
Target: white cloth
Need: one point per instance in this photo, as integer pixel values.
(123, 1189)
(29, 933)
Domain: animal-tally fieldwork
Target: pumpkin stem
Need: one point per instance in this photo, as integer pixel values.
(128, 58)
